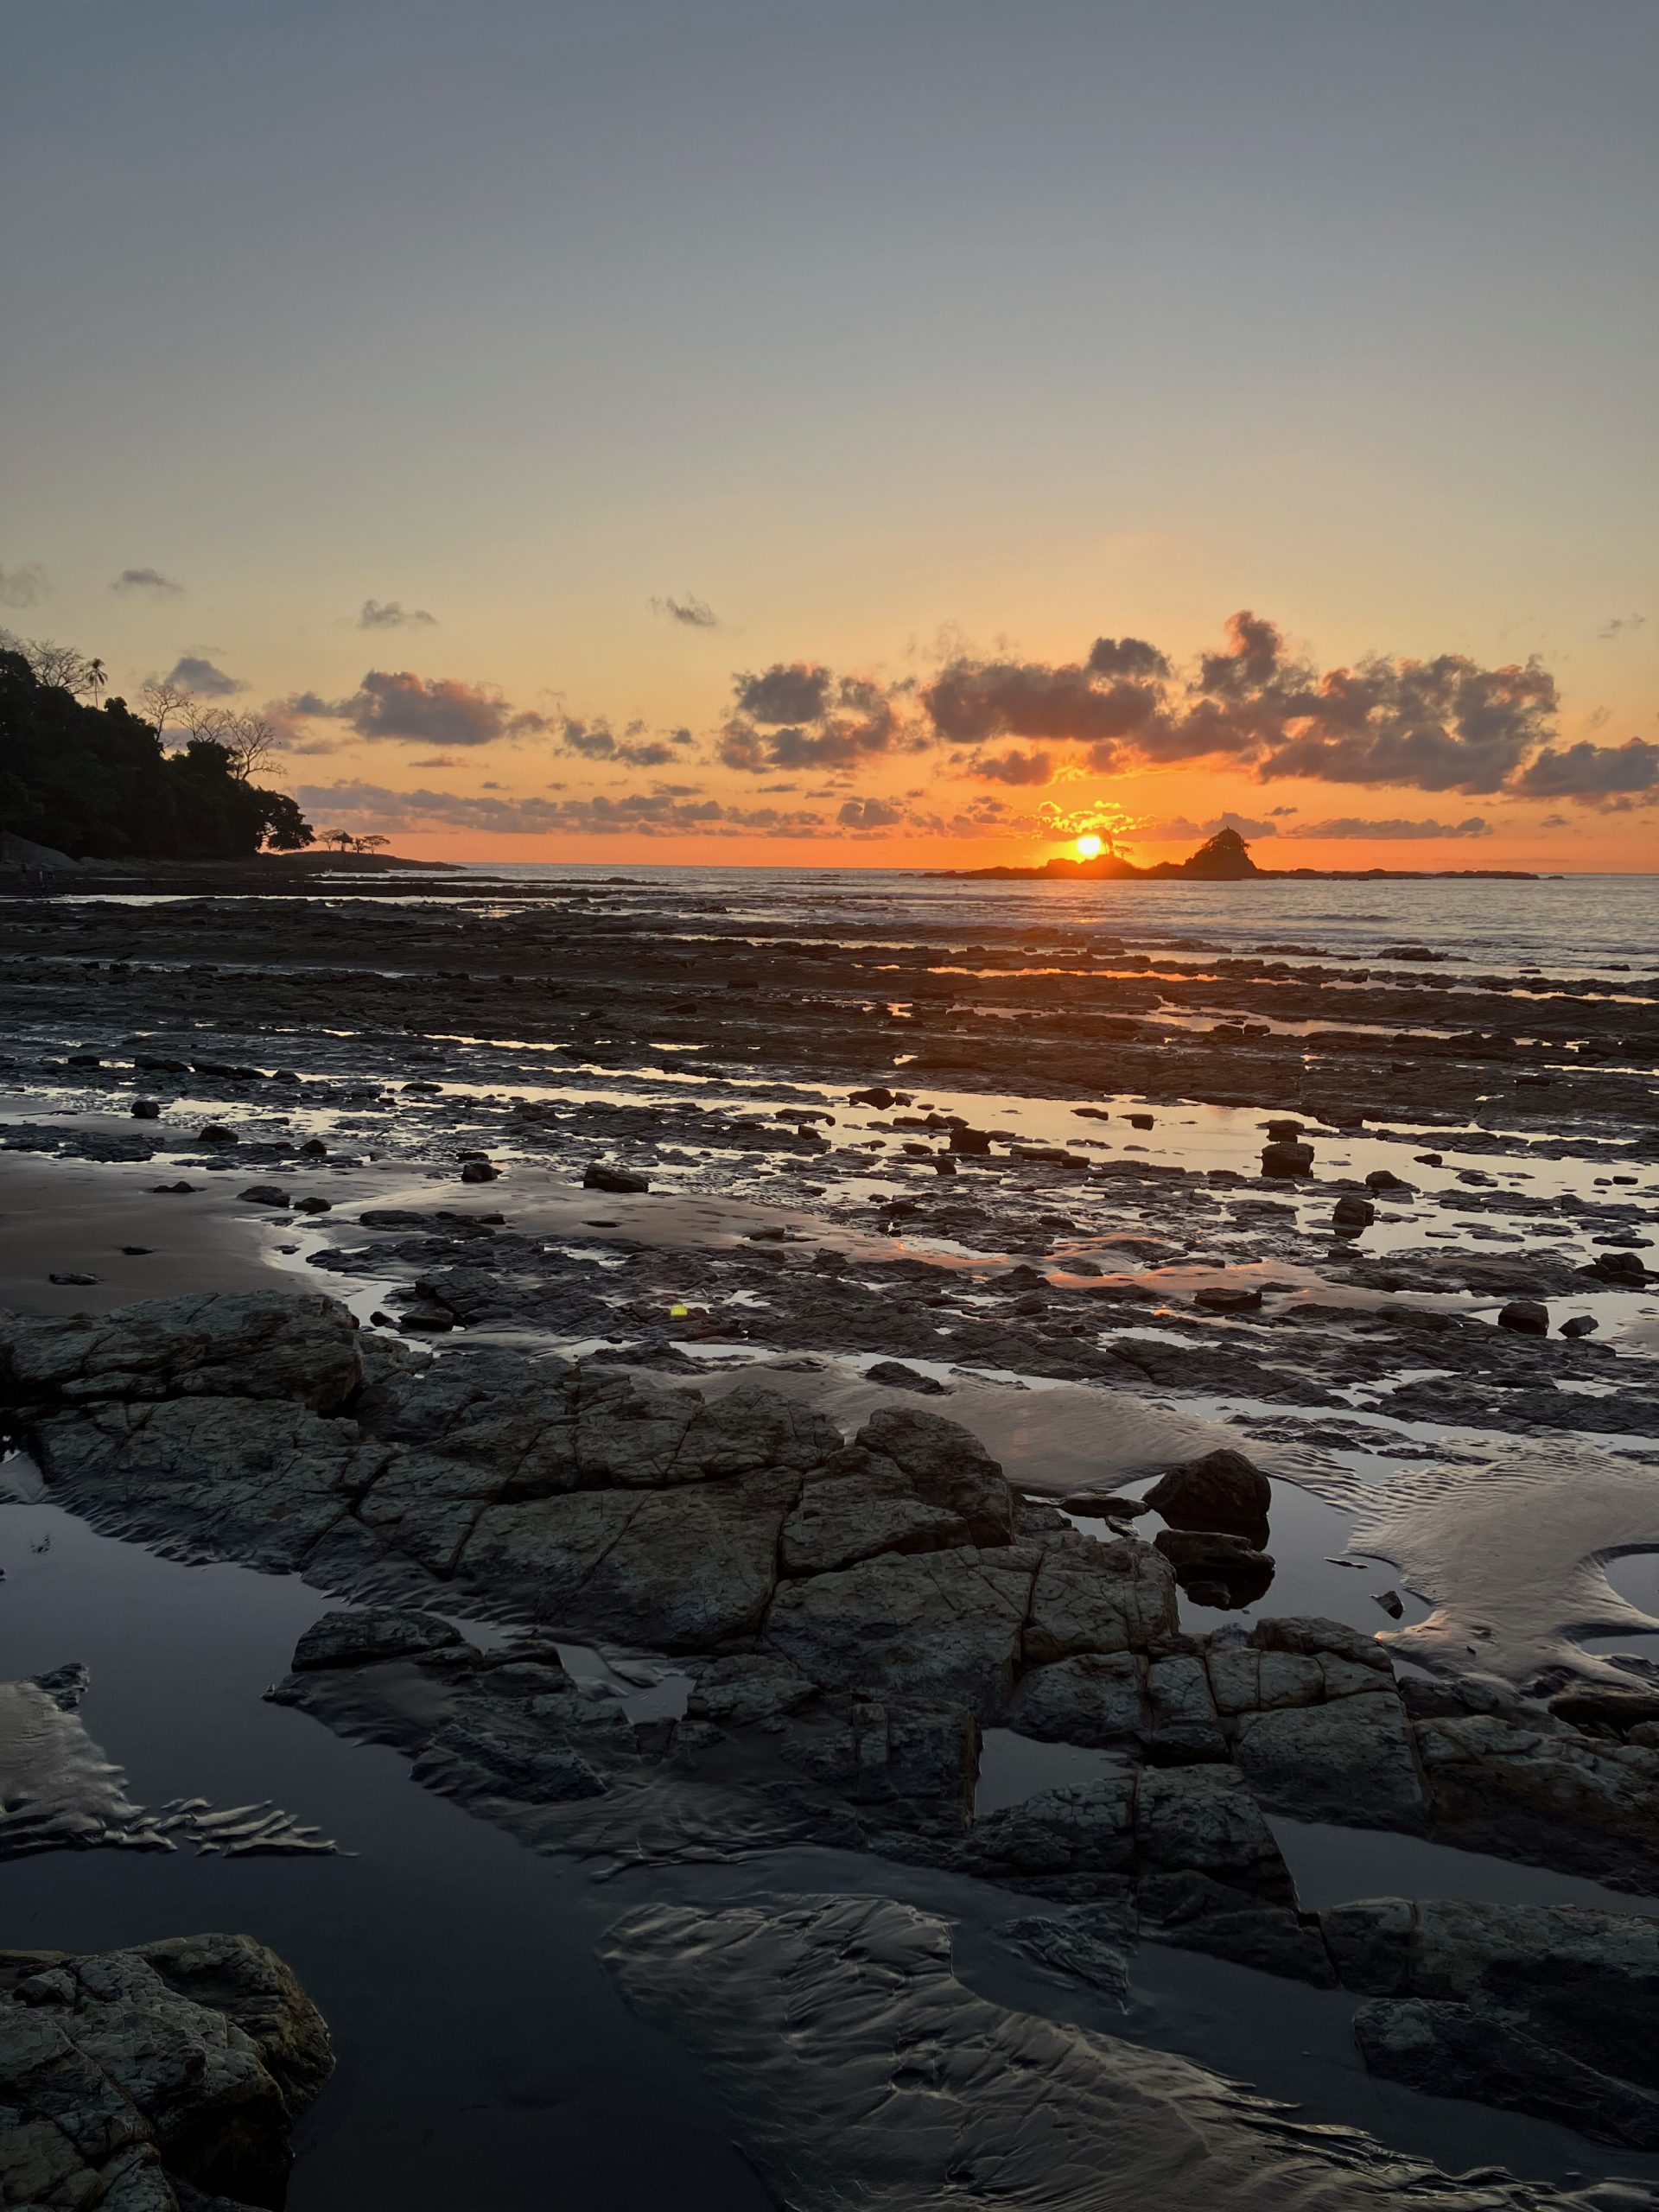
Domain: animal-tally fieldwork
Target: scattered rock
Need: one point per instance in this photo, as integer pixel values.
(1526, 1316)
(600, 1176)
(1222, 1490)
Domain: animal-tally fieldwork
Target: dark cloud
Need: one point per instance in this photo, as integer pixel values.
(394, 615)
(436, 761)
(1349, 825)
(694, 612)
(1012, 768)
(1620, 625)
(595, 740)
(22, 587)
(192, 672)
(970, 701)
(792, 691)
(1442, 725)
(421, 710)
(799, 715)
(1130, 657)
(868, 814)
(131, 580)
(1592, 772)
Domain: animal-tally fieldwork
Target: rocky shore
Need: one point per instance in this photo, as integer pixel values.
(803, 1323)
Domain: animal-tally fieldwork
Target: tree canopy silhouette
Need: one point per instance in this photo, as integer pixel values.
(99, 784)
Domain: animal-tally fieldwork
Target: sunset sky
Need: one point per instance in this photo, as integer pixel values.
(889, 435)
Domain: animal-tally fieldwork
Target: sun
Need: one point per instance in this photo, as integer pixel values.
(1090, 848)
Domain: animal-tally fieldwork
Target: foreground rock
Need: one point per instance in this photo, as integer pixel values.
(856, 2068)
(1547, 2009)
(136, 2079)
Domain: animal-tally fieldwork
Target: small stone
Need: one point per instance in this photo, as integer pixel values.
(877, 1096)
(600, 1176)
(893, 1375)
(1227, 1298)
(1391, 1604)
(1526, 1316)
(313, 1206)
(313, 1148)
(263, 1194)
(1286, 1160)
(168, 1190)
(1141, 1121)
(479, 1170)
(216, 1133)
(73, 1278)
(1579, 1325)
(146, 1109)
(1352, 1212)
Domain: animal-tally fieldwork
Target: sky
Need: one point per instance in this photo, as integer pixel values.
(906, 434)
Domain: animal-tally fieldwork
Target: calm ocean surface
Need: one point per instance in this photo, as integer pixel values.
(1563, 924)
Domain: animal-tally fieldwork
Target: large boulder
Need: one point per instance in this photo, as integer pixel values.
(1352, 1760)
(941, 1624)
(1222, 1490)
(248, 1478)
(138, 2078)
(947, 1467)
(858, 1504)
(297, 1345)
(1092, 1596)
(685, 1569)
(1552, 2010)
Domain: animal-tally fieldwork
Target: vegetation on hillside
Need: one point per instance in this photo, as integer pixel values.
(103, 782)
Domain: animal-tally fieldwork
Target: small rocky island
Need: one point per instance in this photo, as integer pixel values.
(1225, 858)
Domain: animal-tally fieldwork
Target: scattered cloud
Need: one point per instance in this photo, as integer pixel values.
(1621, 626)
(195, 672)
(436, 761)
(1593, 773)
(596, 740)
(150, 579)
(1446, 724)
(869, 814)
(658, 813)
(392, 614)
(25, 586)
(694, 612)
(1180, 829)
(800, 714)
(1011, 767)
(1350, 825)
(421, 710)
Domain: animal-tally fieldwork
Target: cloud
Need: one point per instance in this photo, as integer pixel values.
(1593, 772)
(1012, 768)
(436, 761)
(1620, 625)
(1180, 829)
(869, 814)
(793, 691)
(595, 740)
(1350, 825)
(1555, 822)
(800, 714)
(694, 612)
(1445, 724)
(394, 615)
(194, 672)
(664, 812)
(421, 710)
(131, 580)
(22, 587)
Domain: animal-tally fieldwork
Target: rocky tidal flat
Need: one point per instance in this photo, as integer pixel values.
(915, 1465)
